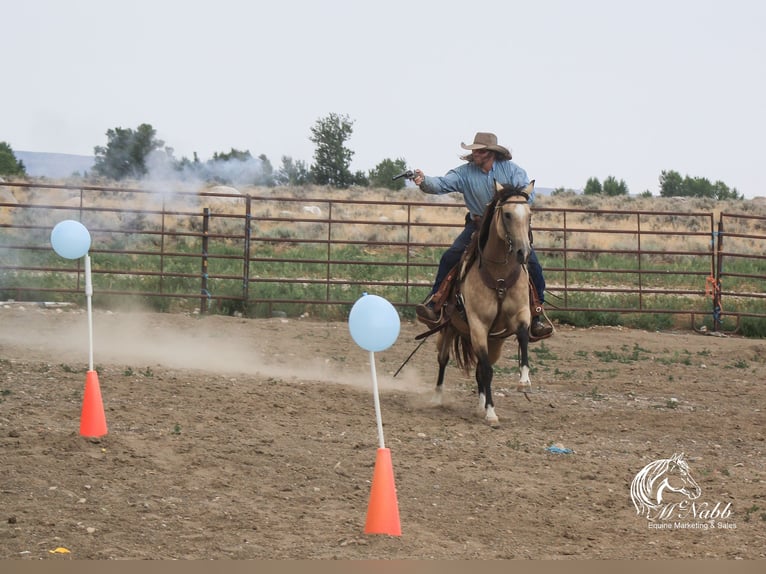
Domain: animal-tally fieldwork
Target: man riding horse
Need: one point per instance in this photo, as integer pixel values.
(486, 165)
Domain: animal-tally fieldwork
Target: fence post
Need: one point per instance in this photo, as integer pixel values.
(246, 264)
(203, 289)
(717, 279)
(640, 275)
(328, 252)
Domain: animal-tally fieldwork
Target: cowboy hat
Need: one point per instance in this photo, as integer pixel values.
(486, 140)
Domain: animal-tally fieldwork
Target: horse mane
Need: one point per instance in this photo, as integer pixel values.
(642, 487)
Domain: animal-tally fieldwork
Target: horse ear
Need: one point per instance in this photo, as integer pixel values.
(498, 187)
(530, 188)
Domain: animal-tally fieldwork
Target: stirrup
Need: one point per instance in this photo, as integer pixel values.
(546, 323)
(438, 315)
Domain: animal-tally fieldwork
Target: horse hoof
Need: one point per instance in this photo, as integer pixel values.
(524, 388)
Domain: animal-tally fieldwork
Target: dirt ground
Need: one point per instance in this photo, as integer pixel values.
(256, 438)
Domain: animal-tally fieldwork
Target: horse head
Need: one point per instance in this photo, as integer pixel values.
(660, 477)
(511, 207)
(678, 479)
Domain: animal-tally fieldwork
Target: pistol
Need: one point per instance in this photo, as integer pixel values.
(409, 174)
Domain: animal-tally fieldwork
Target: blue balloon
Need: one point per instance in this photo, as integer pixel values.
(374, 323)
(70, 239)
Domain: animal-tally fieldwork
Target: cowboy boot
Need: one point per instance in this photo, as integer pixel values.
(538, 329)
(425, 310)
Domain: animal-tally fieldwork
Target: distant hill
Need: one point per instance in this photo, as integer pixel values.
(54, 165)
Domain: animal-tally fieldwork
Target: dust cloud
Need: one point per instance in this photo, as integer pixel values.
(223, 345)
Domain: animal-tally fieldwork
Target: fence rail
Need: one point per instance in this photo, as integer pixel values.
(226, 252)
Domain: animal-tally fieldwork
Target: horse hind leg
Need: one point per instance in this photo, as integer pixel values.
(443, 346)
(438, 396)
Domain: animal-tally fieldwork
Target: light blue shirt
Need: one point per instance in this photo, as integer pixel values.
(477, 187)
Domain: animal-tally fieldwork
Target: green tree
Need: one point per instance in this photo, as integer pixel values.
(126, 151)
(612, 187)
(592, 187)
(384, 172)
(360, 178)
(331, 157)
(292, 172)
(697, 187)
(671, 184)
(9, 165)
(721, 191)
(267, 172)
(239, 167)
(234, 154)
(190, 167)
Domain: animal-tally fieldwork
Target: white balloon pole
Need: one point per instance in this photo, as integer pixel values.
(377, 400)
(92, 419)
(374, 326)
(70, 239)
(88, 296)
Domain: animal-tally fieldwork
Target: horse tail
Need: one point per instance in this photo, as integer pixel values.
(465, 358)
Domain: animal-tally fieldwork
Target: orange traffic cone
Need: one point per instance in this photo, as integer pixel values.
(92, 419)
(383, 510)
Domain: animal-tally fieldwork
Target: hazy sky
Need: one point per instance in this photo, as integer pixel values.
(576, 89)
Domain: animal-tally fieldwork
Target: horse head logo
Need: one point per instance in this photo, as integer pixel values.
(660, 478)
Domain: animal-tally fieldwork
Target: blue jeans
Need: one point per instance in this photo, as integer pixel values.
(451, 257)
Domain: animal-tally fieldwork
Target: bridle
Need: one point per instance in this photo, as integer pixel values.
(498, 212)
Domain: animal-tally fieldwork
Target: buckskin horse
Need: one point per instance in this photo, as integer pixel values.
(489, 298)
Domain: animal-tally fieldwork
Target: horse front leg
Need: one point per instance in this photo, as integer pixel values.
(525, 384)
(484, 373)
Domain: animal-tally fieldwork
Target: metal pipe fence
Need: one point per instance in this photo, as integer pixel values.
(219, 251)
